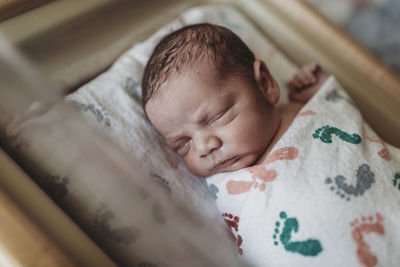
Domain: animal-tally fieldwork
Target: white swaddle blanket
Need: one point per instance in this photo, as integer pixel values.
(327, 195)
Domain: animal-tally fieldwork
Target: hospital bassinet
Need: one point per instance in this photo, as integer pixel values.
(81, 41)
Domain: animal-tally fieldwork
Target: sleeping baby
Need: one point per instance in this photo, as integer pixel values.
(302, 184)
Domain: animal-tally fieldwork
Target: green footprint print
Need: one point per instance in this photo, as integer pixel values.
(396, 180)
(325, 134)
(309, 247)
(335, 96)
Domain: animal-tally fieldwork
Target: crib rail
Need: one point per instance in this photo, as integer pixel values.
(10, 8)
(33, 231)
(73, 41)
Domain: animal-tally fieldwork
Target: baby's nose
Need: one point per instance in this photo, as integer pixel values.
(207, 144)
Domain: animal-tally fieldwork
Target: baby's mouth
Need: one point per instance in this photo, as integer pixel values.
(225, 163)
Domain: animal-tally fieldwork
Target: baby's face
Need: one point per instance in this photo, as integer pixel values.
(215, 125)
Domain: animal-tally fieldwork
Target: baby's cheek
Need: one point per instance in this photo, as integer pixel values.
(239, 137)
(194, 166)
(256, 131)
(249, 126)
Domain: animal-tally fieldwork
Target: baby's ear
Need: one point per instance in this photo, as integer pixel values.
(265, 82)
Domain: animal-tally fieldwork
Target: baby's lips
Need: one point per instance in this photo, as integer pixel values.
(225, 163)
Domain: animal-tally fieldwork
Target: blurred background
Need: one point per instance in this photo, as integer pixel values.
(374, 23)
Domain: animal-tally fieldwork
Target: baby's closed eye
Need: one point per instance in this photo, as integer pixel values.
(182, 146)
(221, 118)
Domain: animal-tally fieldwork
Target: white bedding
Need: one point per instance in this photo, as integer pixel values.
(327, 195)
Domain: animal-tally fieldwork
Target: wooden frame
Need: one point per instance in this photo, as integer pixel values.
(34, 231)
(11, 8)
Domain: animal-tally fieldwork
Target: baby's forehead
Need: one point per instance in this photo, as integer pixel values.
(200, 81)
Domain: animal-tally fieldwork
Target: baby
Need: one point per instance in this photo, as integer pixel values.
(214, 102)
(304, 195)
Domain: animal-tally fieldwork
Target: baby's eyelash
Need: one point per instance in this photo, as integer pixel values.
(216, 117)
(219, 115)
(182, 144)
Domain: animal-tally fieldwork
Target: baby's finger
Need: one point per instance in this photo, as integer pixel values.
(311, 77)
(313, 67)
(295, 87)
(292, 85)
(304, 78)
(298, 82)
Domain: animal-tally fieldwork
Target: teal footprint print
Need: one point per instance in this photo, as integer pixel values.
(396, 180)
(214, 190)
(309, 247)
(335, 96)
(325, 134)
(101, 114)
(133, 87)
(365, 179)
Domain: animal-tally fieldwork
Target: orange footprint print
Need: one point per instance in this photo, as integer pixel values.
(284, 153)
(384, 153)
(361, 228)
(233, 223)
(260, 174)
(308, 112)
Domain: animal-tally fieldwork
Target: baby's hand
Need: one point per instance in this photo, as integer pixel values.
(306, 82)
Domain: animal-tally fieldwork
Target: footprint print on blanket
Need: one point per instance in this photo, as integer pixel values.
(384, 152)
(214, 190)
(325, 135)
(396, 180)
(233, 223)
(364, 181)
(335, 96)
(260, 174)
(101, 114)
(305, 113)
(309, 247)
(360, 229)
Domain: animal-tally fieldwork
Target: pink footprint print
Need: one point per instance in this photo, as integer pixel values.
(233, 223)
(384, 153)
(306, 113)
(284, 153)
(238, 187)
(360, 228)
(260, 174)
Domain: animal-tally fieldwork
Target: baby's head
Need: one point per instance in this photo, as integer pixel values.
(211, 99)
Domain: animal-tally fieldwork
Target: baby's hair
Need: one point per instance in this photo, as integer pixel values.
(186, 45)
